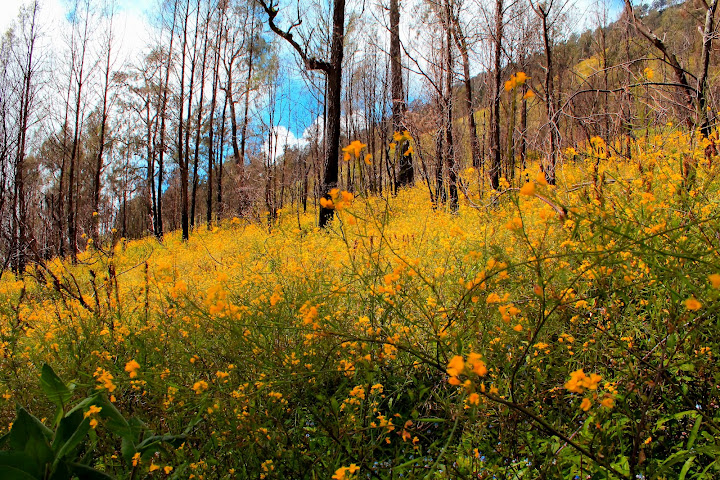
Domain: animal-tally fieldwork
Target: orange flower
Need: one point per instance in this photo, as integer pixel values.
(132, 367)
(528, 189)
(693, 304)
(477, 365)
(456, 366)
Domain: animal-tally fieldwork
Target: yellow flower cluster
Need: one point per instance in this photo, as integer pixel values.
(515, 81)
(579, 381)
(338, 200)
(354, 148)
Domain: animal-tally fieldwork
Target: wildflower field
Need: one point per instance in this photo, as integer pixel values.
(565, 331)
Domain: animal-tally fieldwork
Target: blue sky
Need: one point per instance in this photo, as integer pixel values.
(296, 108)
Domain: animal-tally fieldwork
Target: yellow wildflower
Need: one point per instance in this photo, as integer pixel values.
(200, 386)
(692, 304)
(132, 367)
(528, 189)
(92, 411)
(456, 366)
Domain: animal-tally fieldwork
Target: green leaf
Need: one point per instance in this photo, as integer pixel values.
(157, 440)
(29, 435)
(77, 436)
(10, 473)
(686, 468)
(694, 432)
(113, 419)
(127, 449)
(83, 472)
(54, 388)
(198, 418)
(21, 461)
(67, 427)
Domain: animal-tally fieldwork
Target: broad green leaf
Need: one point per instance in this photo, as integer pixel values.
(21, 461)
(66, 428)
(54, 388)
(113, 419)
(127, 449)
(77, 436)
(83, 472)
(10, 473)
(29, 435)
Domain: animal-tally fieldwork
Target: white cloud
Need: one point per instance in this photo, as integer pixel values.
(280, 139)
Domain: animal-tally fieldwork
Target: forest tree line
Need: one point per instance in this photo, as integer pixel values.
(94, 148)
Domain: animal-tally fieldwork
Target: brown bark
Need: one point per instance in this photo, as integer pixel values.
(164, 89)
(702, 84)
(449, 143)
(101, 146)
(74, 155)
(406, 173)
(461, 43)
(333, 74)
(198, 125)
(182, 159)
(495, 159)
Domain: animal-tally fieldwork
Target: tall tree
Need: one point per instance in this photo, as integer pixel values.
(199, 123)
(452, 170)
(543, 11)
(81, 19)
(495, 158)
(27, 70)
(406, 173)
(333, 73)
(163, 93)
(462, 46)
(182, 159)
(103, 126)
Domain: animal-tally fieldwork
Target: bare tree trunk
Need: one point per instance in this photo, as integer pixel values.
(20, 214)
(543, 11)
(101, 147)
(248, 83)
(449, 144)
(221, 160)
(702, 88)
(198, 127)
(182, 160)
(164, 88)
(495, 160)
(71, 213)
(461, 43)
(333, 74)
(406, 173)
(211, 127)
